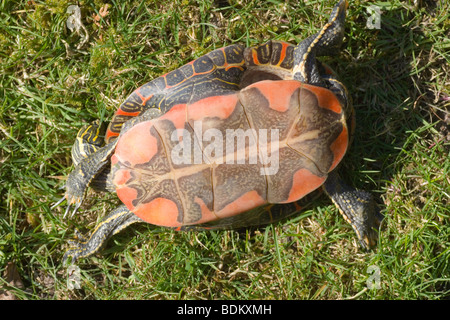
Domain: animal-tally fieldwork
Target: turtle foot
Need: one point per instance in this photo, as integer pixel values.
(78, 248)
(73, 201)
(358, 208)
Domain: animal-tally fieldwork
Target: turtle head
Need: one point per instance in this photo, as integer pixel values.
(326, 42)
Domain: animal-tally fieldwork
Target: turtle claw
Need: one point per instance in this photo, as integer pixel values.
(71, 200)
(77, 206)
(66, 212)
(58, 203)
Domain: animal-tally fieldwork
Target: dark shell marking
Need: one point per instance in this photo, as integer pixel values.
(312, 135)
(272, 53)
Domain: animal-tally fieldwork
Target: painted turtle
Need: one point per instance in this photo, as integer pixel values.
(238, 137)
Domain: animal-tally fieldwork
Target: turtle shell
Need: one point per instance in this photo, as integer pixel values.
(271, 142)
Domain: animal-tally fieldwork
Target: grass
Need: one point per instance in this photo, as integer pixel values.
(51, 84)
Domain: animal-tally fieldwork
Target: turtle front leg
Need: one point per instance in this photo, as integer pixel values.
(80, 178)
(116, 221)
(357, 207)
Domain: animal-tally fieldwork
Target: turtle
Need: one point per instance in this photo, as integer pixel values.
(236, 138)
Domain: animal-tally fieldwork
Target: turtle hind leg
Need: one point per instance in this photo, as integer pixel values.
(357, 207)
(113, 223)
